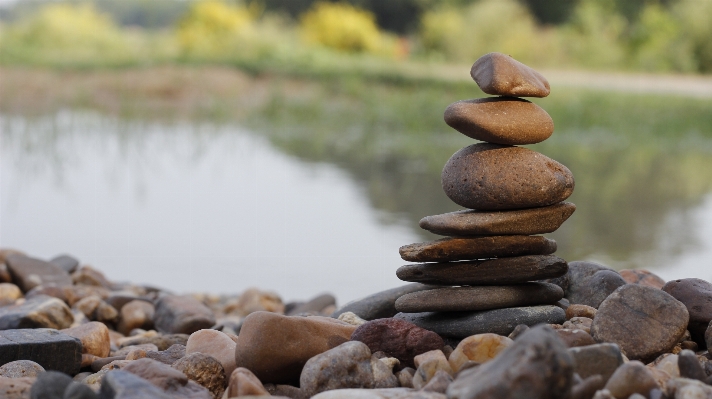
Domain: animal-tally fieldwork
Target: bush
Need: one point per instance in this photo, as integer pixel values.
(342, 27)
(66, 34)
(211, 27)
(696, 26)
(657, 43)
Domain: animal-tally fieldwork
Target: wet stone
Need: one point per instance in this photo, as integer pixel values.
(500, 120)
(479, 298)
(501, 75)
(493, 223)
(453, 249)
(49, 348)
(38, 312)
(537, 365)
(397, 338)
(474, 178)
(498, 321)
(182, 315)
(30, 272)
(644, 321)
(379, 305)
(21, 368)
(486, 272)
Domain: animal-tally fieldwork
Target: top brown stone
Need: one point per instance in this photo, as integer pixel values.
(501, 75)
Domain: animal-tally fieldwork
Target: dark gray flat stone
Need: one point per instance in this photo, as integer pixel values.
(485, 272)
(65, 262)
(49, 348)
(28, 272)
(498, 321)
(379, 305)
(456, 299)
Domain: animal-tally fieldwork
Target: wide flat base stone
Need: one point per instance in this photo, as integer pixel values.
(499, 321)
(49, 348)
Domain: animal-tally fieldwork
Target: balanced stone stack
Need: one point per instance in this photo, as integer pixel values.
(494, 254)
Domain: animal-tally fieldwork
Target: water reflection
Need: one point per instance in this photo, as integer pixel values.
(194, 206)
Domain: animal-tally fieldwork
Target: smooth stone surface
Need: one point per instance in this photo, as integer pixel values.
(575, 338)
(493, 223)
(94, 337)
(50, 385)
(205, 370)
(49, 348)
(500, 120)
(349, 365)
(579, 323)
(644, 321)
(587, 388)
(21, 368)
(498, 321)
(94, 308)
(215, 344)
(170, 380)
(453, 249)
(379, 305)
(597, 288)
(537, 365)
(642, 277)
(578, 276)
(479, 348)
(182, 314)
(485, 272)
(696, 295)
(578, 310)
(630, 378)
(316, 304)
(495, 177)
(429, 365)
(244, 383)
(689, 366)
(161, 341)
(397, 338)
(168, 356)
(501, 75)
(67, 263)
(38, 312)
(9, 293)
(684, 388)
(28, 272)
(276, 347)
(599, 359)
(76, 390)
(136, 314)
(119, 384)
(479, 298)
(87, 275)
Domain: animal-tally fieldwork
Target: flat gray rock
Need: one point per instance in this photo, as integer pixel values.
(499, 321)
(28, 272)
(492, 223)
(49, 348)
(454, 249)
(379, 305)
(485, 272)
(453, 299)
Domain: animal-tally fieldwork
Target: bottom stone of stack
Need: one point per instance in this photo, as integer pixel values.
(459, 325)
(455, 299)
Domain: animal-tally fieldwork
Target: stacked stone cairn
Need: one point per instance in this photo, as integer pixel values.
(484, 274)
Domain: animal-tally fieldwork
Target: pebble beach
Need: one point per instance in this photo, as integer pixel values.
(487, 311)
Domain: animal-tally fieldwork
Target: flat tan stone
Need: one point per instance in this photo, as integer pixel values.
(455, 299)
(500, 120)
(501, 75)
(513, 222)
(452, 249)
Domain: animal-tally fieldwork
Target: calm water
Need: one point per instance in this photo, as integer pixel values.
(200, 207)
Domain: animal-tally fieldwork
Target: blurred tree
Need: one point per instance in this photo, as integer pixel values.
(551, 12)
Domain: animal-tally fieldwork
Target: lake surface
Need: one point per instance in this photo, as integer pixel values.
(194, 206)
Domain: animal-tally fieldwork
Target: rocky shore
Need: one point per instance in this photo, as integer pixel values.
(490, 311)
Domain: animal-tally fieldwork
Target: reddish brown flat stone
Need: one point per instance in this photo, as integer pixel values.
(502, 75)
(452, 249)
(455, 299)
(642, 277)
(495, 177)
(515, 222)
(486, 272)
(500, 120)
